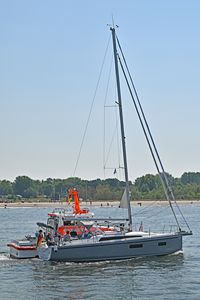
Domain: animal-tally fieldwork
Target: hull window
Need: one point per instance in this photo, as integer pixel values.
(136, 246)
(162, 244)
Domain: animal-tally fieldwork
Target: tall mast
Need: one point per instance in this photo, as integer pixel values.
(122, 127)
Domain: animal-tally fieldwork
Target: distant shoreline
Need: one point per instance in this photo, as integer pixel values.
(91, 204)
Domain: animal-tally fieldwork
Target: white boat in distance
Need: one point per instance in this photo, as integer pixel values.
(23, 248)
(121, 243)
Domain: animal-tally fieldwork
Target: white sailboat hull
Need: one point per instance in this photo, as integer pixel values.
(91, 250)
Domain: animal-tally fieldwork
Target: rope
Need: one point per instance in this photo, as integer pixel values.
(91, 107)
(153, 149)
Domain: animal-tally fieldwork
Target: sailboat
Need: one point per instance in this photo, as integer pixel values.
(122, 242)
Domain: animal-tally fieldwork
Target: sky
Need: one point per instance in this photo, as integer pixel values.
(50, 58)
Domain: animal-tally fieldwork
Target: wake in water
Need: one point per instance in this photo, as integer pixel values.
(180, 252)
(4, 256)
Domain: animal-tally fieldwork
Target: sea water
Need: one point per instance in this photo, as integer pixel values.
(168, 277)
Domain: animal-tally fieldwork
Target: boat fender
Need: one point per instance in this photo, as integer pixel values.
(55, 248)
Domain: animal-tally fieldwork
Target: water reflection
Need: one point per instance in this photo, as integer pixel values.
(93, 280)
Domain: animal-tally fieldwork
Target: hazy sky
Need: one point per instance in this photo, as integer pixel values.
(50, 58)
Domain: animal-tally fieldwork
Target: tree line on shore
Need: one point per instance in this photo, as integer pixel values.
(147, 187)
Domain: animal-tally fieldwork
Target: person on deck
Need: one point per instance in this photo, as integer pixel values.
(40, 238)
(49, 239)
(67, 237)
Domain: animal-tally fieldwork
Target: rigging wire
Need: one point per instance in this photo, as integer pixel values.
(148, 141)
(153, 149)
(106, 154)
(91, 107)
(147, 127)
(104, 131)
(111, 143)
(149, 208)
(114, 138)
(157, 213)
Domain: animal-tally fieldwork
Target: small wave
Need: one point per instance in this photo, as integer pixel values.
(177, 253)
(4, 256)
